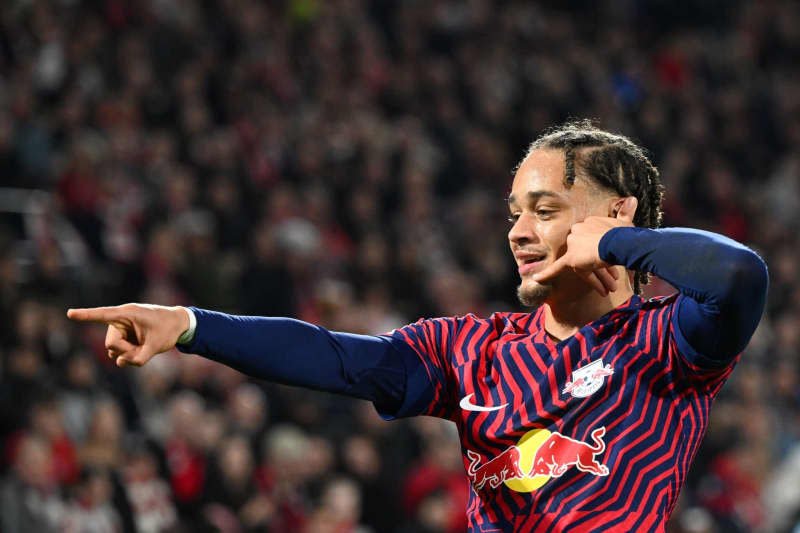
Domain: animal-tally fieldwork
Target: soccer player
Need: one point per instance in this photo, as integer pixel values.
(581, 415)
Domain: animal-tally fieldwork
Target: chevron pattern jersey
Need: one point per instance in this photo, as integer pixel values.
(593, 433)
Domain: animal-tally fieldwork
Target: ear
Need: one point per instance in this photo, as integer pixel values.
(627, 210)
(614, 206)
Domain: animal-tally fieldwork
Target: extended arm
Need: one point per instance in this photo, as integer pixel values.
(723, 283)
(383, 369)
(293, 352)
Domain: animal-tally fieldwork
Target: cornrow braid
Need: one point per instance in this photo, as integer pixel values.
(613, 162)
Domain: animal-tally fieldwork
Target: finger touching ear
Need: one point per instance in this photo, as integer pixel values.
(627, 209)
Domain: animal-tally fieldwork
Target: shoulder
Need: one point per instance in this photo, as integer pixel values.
(659, 302)
(498, 321)
(638, 307)
(654, 310)
(632, 317)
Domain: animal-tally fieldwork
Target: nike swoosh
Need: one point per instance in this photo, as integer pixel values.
(469, 406)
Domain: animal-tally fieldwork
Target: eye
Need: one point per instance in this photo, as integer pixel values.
(512, 218)
(544, 213)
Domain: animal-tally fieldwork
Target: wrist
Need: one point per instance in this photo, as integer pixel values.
(187, 325)
(605, 248)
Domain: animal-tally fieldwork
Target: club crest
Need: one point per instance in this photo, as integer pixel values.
(587, 379)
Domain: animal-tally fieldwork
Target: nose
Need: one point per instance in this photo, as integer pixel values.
(521, 232)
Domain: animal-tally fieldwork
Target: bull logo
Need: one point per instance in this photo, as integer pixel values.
(499, 470)
(538, 456)
(559, 452)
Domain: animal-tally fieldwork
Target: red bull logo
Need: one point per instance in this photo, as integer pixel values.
(539, 455)
(502, 468)
(559, 453)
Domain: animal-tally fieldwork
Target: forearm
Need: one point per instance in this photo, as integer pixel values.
(293, 352)
(725, 281)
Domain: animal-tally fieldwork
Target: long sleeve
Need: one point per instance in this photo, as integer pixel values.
(723, 285)
(382, 369)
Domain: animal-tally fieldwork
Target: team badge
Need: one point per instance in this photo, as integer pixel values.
(587, 379)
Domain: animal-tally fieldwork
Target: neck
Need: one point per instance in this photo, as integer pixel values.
(565, 316)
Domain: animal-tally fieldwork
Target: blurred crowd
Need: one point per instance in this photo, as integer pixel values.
(345, 162)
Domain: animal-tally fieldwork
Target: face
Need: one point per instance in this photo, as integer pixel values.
(542, 211)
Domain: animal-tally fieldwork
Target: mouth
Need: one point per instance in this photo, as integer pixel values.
(530, 263)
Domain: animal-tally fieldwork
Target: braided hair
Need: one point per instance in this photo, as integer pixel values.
(613, 162)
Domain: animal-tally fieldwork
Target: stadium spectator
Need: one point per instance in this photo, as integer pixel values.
(31, 496)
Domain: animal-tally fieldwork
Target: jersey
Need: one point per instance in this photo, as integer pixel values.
(593, 433)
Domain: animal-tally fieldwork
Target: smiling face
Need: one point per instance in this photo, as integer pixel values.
(542, 211)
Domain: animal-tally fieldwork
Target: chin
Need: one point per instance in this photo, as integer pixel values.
(533, 294)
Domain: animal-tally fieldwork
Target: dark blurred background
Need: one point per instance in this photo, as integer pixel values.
(346, 162)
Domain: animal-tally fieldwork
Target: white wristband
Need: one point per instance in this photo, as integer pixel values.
(188, 335)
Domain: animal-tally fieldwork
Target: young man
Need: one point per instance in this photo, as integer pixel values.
(582, 415)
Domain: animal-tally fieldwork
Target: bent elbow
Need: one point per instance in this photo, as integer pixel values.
(747, 280)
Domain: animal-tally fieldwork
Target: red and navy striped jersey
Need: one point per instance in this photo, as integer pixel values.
(593, 433)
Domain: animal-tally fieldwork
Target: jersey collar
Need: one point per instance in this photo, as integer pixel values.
(631, 304)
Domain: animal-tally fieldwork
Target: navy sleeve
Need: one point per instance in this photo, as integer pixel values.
(382, 369)
(432, 340)
(723, 285)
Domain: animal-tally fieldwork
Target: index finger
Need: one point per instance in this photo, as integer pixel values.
(94, 314)
(551, 271)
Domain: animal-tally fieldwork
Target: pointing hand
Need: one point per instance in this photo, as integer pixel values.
(136, 332)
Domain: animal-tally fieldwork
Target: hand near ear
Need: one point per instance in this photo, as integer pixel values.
(583, 255)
